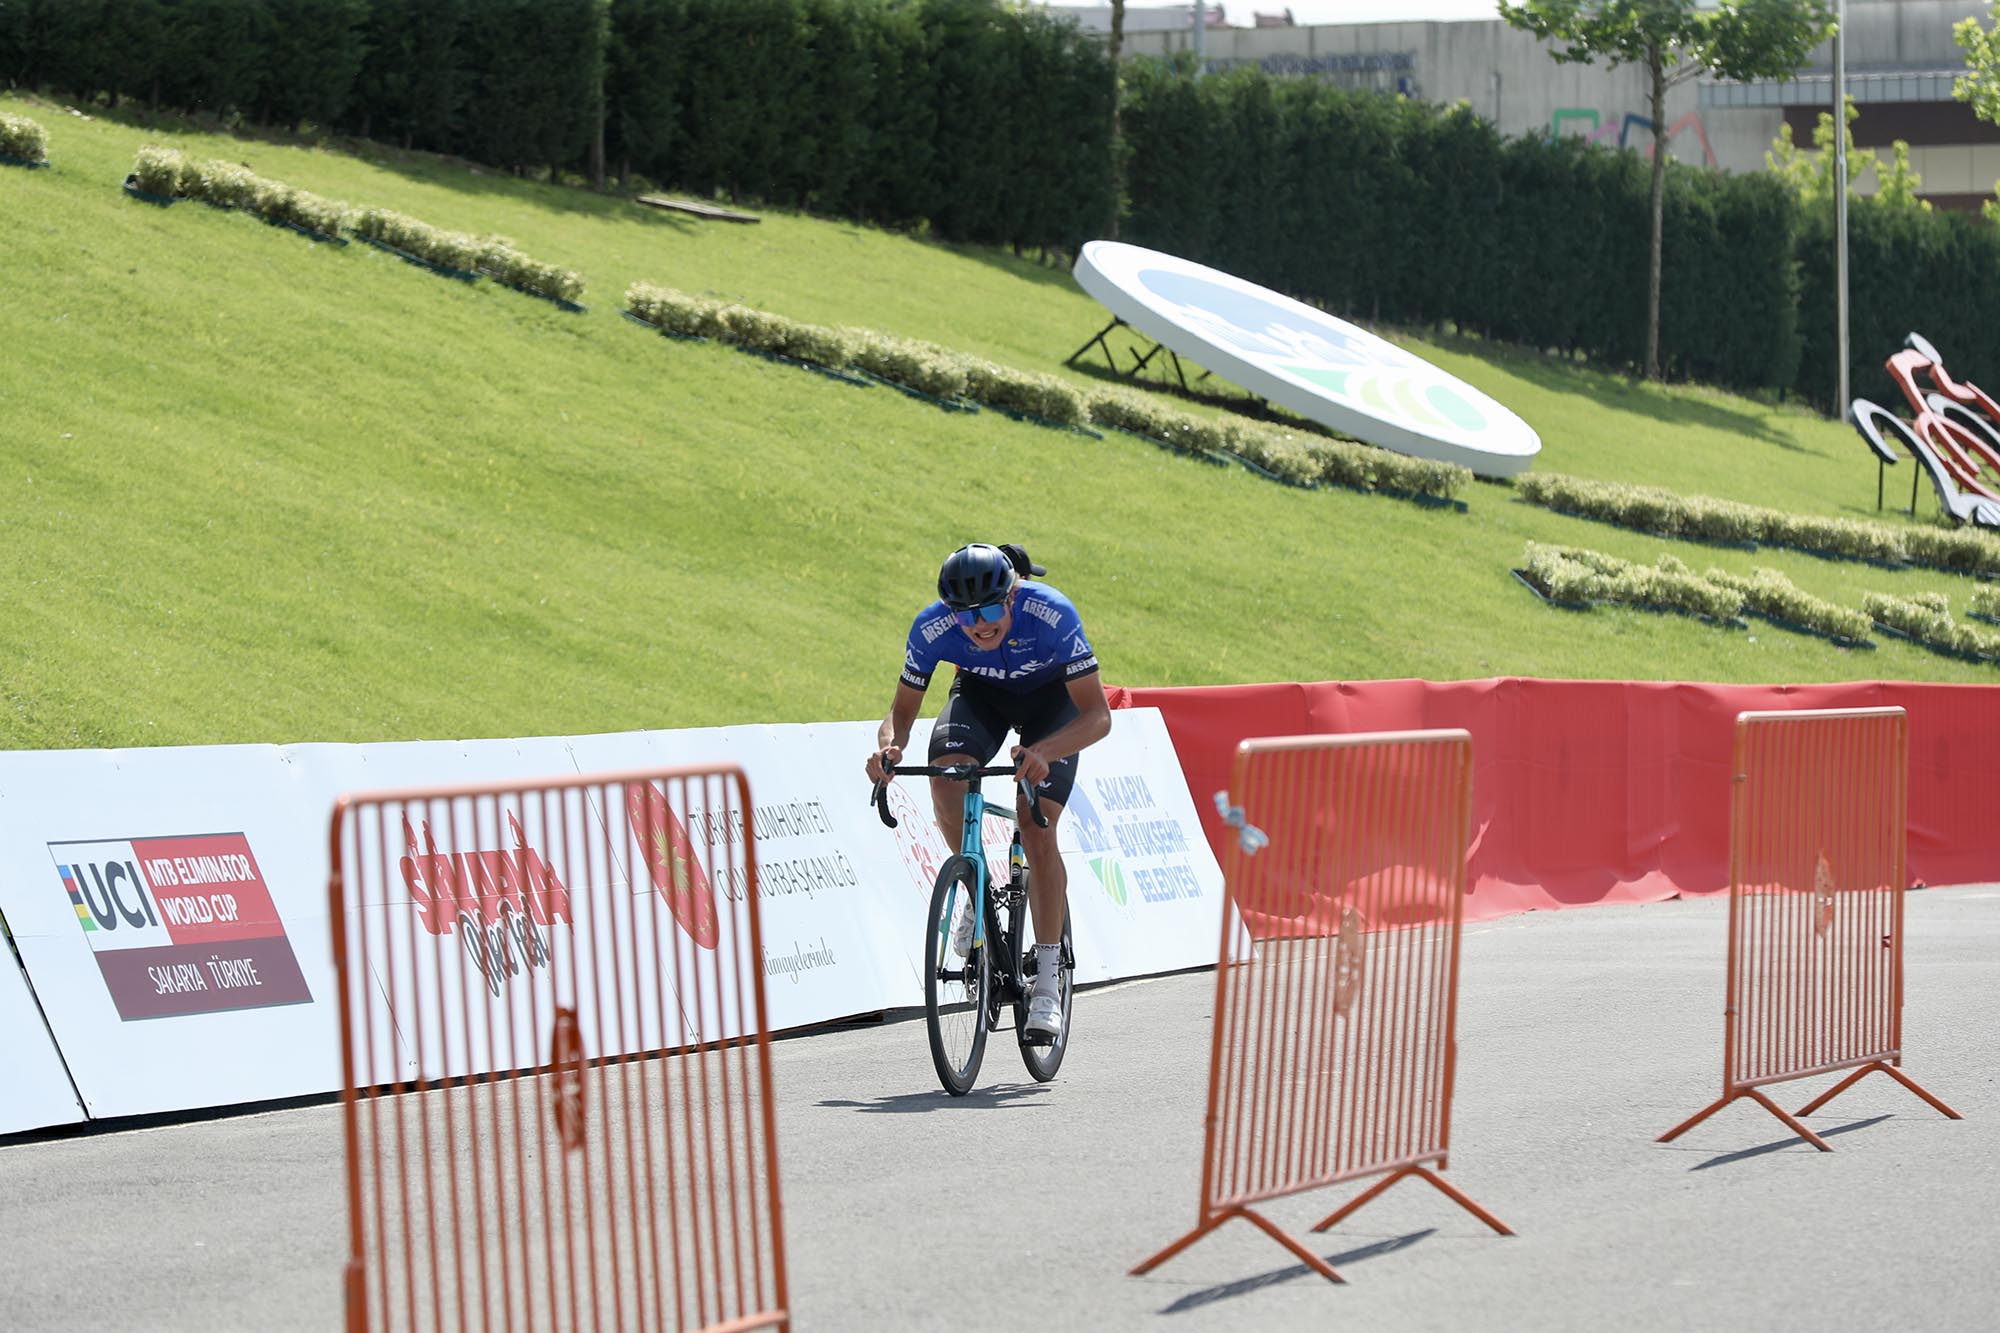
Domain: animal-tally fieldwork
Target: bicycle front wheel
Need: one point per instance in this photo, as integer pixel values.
(956, 987)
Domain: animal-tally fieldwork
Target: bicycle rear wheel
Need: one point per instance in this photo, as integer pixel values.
(1043, 1059)
(955, 989)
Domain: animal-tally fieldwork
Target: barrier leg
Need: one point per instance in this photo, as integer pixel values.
(1864, 1072)
(1458, 1196)
(1791, 1122)
(1270, 1228)
(1444, 1186)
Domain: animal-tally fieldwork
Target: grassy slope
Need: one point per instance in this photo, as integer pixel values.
(257, 489)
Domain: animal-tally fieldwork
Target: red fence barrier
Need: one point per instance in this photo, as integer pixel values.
(1608, 791)
(1818, 804)
(557, 1107)
(1334, 1048)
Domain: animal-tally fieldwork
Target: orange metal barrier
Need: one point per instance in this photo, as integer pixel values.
(1818, 813)
(1334, 1047)
(557, 1107)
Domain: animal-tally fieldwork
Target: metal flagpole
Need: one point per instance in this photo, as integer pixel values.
(1840, 202)
(1200, 35)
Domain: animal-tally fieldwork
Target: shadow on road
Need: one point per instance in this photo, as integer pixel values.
(1781, 1144)
(902, 1103)
(1194, 1300)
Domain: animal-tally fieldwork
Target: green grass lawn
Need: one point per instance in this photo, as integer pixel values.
(257, 489)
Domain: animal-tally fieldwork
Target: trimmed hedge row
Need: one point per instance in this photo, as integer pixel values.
(1574, 576)
(1662, 513)
(1768, 593)
(1927, 619)
(494, 256)
(171, 174)
(23, 140)
(940, 372)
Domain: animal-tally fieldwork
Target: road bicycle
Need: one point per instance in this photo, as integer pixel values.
(964, 996)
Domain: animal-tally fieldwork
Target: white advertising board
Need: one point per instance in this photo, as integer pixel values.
(170, 905)
(35, 1091)
(1320, 367)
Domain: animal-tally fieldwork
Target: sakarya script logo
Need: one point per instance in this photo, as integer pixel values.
(670, 861)
(500, 903)
(180, 925)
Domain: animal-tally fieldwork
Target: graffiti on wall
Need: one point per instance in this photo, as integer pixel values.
(1364, 71)
(1599, 129)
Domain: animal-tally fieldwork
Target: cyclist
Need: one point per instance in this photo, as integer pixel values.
(1023, 662)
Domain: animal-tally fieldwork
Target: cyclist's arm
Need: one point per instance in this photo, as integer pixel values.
(894, 733)
(1091, 724)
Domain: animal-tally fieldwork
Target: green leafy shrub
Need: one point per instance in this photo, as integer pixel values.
(1959, 550)
(158, 170)
(925, 367)
(1986, 602)
(1848, 538)
(494, 256)
(1026, 391)
(284, 203)
(1395, 472)
(1723, 520)
(1282, 453)
(1703, 518)
(677, 312)
(1768, 593)
(1927, 619)
(446, 249)
(23, 139)
(1139, 413)
(1293, 455)
(501, 261)
(167, 172)
(1574, 576)
(766, 332)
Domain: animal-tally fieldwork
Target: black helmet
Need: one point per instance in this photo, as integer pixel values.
(975, 575)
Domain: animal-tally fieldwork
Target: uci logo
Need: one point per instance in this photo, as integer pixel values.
(108, 895)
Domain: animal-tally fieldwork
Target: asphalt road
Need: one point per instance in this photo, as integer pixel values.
(1583, 1035)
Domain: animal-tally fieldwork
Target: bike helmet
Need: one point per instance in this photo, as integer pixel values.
(975, 575)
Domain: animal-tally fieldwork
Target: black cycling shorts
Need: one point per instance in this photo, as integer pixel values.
(977, 715)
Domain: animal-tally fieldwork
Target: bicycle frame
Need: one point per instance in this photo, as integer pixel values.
(972, 846)
(971, 841)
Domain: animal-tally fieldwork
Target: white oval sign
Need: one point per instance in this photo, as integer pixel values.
(1305, 360)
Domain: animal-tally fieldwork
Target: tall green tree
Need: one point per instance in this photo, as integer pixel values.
(413, 81)
(312, 55)
(1674, 40)
(1809, 172)
(1979, 86)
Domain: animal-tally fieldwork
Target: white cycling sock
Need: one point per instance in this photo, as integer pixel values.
(1048, 968)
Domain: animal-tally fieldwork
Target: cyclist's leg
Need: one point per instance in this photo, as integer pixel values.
(1048, 882)
(968, 731)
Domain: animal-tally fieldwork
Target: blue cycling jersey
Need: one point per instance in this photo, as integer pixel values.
(1045, 643)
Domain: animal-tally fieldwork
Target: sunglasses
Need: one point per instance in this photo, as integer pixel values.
(989, 613)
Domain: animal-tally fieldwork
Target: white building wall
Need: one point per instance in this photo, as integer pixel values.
(1510, 78)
